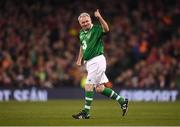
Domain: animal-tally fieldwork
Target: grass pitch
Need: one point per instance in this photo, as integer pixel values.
(103, 113)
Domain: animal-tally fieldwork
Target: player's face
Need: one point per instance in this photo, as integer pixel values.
(85, 22)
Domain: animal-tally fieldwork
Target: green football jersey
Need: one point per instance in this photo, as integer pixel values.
(91, 42)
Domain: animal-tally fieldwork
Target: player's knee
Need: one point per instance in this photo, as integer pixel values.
(89, 87)
(108, 85)
(99, 88)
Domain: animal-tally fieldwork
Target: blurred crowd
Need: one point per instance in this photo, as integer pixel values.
(39, 42)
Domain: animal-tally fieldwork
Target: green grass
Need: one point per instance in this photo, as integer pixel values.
(103, 113)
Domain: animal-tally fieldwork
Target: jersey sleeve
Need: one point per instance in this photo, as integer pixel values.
(80, 37)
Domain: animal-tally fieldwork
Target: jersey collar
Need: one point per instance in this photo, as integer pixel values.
(85, 31)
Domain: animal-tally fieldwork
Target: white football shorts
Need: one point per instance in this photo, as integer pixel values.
(96, 68)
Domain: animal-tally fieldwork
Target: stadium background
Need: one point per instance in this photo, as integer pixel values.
(39, 46)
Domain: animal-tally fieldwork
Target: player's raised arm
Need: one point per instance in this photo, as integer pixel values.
(80, 56)
(101, 20)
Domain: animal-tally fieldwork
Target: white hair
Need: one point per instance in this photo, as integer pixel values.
(83, 15)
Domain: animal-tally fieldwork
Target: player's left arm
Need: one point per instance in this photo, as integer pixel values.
(102, 21)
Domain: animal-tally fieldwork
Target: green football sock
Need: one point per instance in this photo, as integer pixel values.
(88, 100)
(113, 95)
